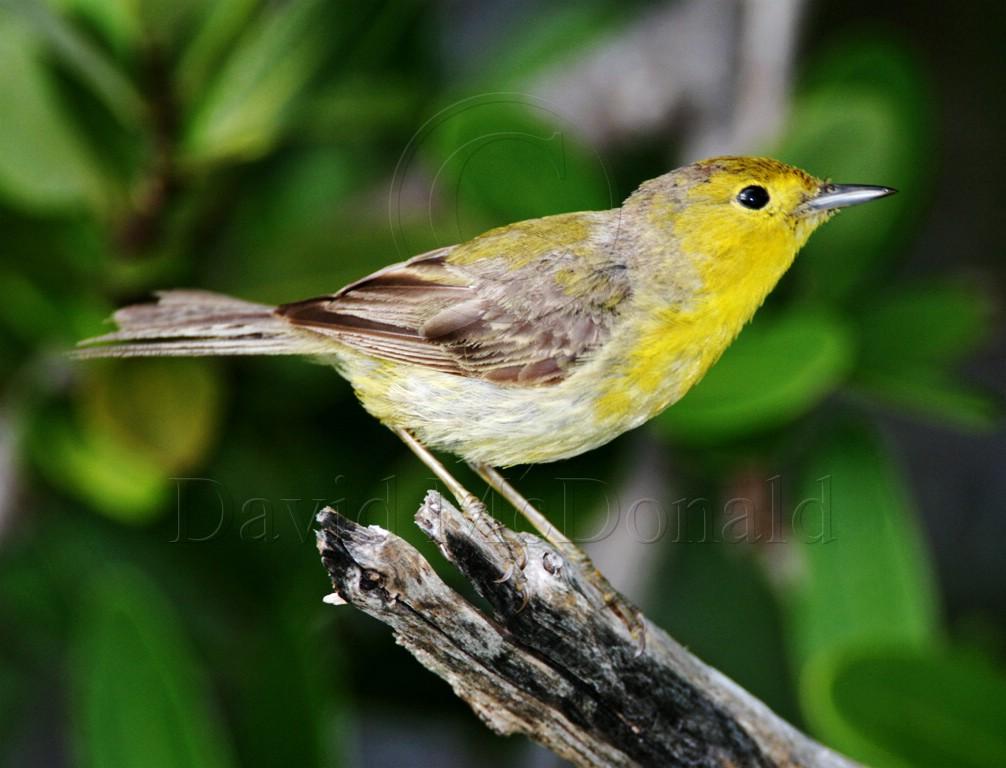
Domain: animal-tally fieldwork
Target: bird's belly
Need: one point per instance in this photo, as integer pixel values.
(485, 422)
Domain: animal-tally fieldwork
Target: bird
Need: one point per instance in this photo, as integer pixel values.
(538, 340)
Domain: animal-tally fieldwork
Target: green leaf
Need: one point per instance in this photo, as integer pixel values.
(777, 370)
(86, 60)
(923, 324)
(247, 106)
(118, 21)
(359, 108)
(167, 411)
(140, 697)
(168, 23)
(57, 172)
(901, 710)
(41, 314)
(508, 156)
(95, 468)
(221, 23)
(932, 393)
(909, 339)
(863, 118)
(864, 579)
(297, 692)
(299, 199)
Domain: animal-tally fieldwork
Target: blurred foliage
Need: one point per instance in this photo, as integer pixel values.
(857, 539)
(140, 699)
(161, 555)
(474, 143)
(906, 709)
(744, 392)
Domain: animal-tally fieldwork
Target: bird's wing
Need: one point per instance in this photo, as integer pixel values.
(521, 321)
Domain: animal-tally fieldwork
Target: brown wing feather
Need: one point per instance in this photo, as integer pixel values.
(517, 327)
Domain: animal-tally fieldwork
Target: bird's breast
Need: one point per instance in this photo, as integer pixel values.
(653, 363)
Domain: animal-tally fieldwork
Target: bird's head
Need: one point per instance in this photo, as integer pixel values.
(764, 202)
(745, 216)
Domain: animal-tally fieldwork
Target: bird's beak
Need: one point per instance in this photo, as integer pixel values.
(834, 196)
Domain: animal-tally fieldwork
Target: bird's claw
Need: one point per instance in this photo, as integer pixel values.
(630, 616)
(612, 600)
(515, 571)
(507, 574)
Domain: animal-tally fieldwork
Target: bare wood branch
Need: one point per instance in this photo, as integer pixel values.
(553, 663)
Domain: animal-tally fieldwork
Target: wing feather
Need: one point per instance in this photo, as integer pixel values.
(521, 326)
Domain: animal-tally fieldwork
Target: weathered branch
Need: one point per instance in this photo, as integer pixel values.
(551, 662)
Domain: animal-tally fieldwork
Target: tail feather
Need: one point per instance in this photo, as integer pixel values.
(188, 323)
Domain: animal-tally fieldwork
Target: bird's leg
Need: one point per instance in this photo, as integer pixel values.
(630, 615)
(473, 509)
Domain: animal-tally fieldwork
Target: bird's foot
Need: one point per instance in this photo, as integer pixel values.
(476, 513)
(630, 616)
(610, 599)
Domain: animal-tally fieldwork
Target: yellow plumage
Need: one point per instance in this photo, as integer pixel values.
(541, 339)
(702, 267)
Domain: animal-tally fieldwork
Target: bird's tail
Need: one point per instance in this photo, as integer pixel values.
(188, 323)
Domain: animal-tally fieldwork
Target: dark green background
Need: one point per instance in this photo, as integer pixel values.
(278, 150)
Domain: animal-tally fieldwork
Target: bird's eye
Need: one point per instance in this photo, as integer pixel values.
(753, 197)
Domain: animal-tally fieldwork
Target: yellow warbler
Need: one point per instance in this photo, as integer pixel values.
(542, 339)
(538, 340)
